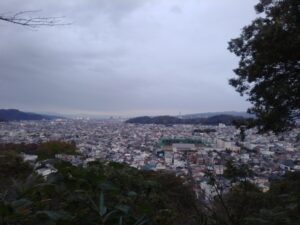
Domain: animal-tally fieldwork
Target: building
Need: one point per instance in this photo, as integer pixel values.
(177, 147)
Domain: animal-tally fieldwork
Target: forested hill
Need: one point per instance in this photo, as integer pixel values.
(210, 114)
(16, 115)
(170, 120)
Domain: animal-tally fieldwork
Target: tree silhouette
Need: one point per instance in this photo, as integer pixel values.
(29, 19)
(269, 67)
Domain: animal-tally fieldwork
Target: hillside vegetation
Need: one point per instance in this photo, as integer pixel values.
(101, 193)
(16, 115)
(170, 120)
(112, 193)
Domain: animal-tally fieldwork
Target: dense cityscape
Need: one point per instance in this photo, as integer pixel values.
(150, 112)
(190, 151)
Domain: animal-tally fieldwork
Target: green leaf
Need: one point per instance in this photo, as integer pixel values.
(21, 203)
(121, 220)
(123, 208)
(55, 216)
(141, 221)
(132, 194)
(108, 215)
(106, 186)
(102, 208)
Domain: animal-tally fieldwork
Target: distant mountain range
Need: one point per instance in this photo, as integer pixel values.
(170, 120)
(16, 115)
(210, 114)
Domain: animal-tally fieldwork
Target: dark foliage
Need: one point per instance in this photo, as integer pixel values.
(269, 67)
(112, 193)
(44, 150)
(101, 193)
(246, 204)
(206, 130)
(12, 167)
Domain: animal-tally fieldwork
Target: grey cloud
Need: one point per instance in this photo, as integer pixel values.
(123, 57)
(176, 9)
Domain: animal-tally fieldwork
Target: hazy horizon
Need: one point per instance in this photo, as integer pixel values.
(123, 58)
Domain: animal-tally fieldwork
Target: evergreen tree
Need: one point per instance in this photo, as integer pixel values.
(269, 67)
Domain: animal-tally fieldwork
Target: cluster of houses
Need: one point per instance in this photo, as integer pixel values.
(187, 150)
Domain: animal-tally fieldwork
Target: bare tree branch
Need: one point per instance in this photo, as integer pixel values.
(25, 18)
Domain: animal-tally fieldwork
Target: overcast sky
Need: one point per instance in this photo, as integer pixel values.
(123, 57)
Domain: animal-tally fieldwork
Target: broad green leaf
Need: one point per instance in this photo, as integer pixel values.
(102, 207)
(121, 220)
(124, 208)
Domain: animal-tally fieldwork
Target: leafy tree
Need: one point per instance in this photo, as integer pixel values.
(243, 203)
(44, 150)
(12, 166)
(100, 193)
(269, 67)
(237, 172)
(51, 148)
